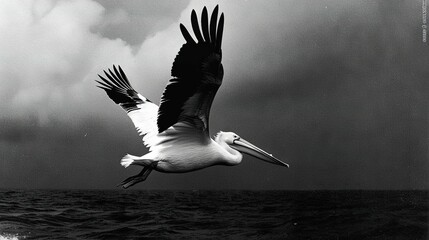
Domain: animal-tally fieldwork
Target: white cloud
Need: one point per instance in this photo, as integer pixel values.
(49, 52)
(52, 53)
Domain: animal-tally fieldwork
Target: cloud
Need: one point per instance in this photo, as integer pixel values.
(134, 20)
(50, 51)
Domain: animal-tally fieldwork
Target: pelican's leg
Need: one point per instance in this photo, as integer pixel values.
(144, 173)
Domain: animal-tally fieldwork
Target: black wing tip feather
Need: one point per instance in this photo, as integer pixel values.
(193, 51)
(219, 34)
(119, 89)
(211, 31)
(114, 80)
(205, 24)
(186, 34)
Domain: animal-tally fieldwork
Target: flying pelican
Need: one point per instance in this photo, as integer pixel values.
(177, 132)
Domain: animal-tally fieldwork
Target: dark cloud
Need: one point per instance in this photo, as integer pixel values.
(17, 130)
(351, 109)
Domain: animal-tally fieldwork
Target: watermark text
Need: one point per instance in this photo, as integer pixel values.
(424, 26)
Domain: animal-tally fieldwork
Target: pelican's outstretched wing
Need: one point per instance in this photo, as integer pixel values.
(141, 110)
(197, 74)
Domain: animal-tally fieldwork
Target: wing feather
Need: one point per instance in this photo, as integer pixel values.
(186, 35)
(219, 34)
(205, 24)
(196, 27)
(141, 110)
(197, 74)
(213, 22)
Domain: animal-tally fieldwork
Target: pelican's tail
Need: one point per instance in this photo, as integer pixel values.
(129, 159)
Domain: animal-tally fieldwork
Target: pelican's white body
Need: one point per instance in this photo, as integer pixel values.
(182, 148)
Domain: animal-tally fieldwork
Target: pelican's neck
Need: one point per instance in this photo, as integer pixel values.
(230, 156)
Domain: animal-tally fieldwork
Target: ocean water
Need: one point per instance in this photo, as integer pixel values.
(131, 214)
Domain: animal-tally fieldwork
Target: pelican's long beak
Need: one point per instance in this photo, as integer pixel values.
(248, 148)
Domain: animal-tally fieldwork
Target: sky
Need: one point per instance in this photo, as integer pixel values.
(337, 89)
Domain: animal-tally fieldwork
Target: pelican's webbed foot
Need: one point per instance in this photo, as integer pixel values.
(136, 178)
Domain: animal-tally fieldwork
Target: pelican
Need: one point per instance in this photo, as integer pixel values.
(177, 132)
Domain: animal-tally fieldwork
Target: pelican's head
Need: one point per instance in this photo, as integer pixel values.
(236, 142)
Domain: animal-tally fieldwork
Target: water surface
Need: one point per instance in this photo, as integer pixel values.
(120, 214)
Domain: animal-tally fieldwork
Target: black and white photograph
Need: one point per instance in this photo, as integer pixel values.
(214, 119)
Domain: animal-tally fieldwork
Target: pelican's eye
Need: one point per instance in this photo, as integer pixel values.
(236, 138)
